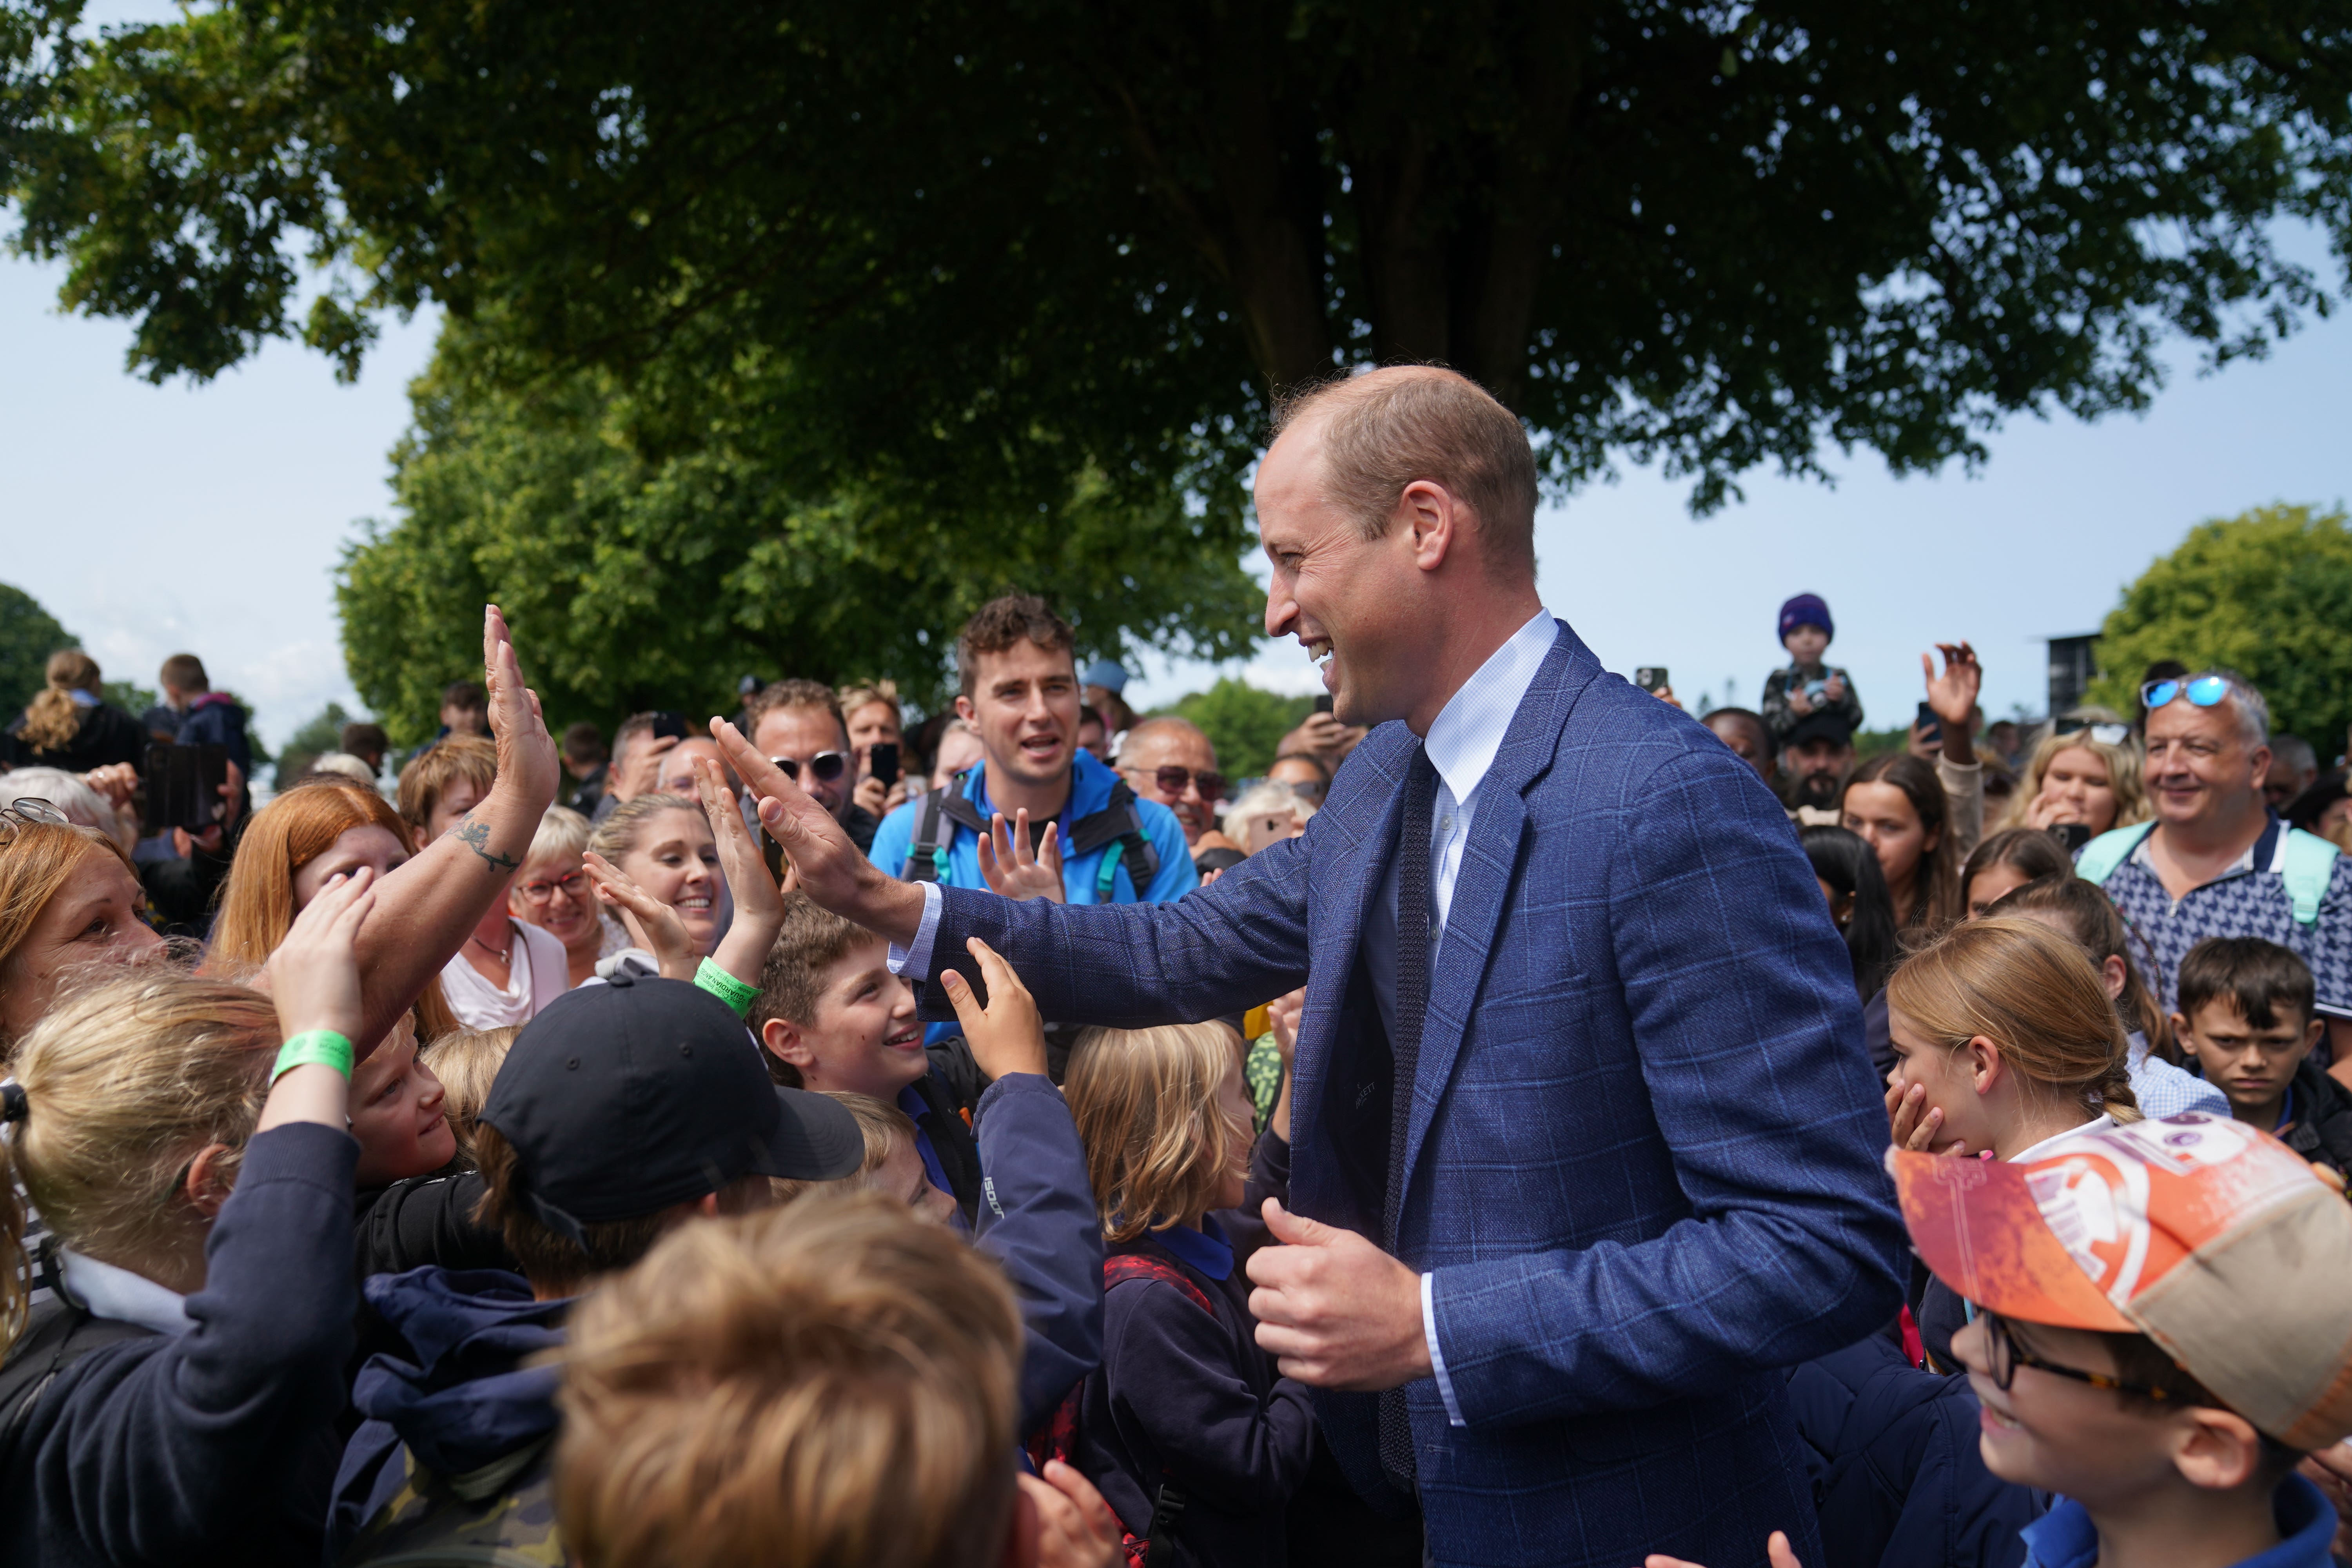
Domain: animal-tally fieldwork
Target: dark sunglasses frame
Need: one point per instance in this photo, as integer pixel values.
(1173, 779)
(825, 767)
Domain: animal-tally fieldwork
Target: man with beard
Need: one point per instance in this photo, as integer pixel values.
(1814, 766)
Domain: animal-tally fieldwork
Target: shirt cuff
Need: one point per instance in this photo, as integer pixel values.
(1436, 1355)
(914, 960)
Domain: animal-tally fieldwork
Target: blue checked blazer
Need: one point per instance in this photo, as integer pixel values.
(1644, 1159)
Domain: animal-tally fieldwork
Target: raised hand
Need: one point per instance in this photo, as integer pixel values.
(1953, 696)
(526, 755)
(832, 871)
(653, 925)
(1008, 868)
(759, 902)
(1005, 1036)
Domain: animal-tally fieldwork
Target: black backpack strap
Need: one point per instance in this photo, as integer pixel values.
(1118, 821)
(59, 1333)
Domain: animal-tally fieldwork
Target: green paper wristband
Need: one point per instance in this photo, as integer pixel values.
(726, 988)
(320, 1047)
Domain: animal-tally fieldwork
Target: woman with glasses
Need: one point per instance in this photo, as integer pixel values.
(552, 893)
(2087, 772)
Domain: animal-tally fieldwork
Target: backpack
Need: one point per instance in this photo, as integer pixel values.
(499, 1516)
(59, 1333)
(1117, 823)
(1059, 1437)
(2309, 863)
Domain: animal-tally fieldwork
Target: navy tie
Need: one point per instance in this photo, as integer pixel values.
(1412, 981)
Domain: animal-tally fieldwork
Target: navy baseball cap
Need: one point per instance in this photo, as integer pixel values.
(622, 1100)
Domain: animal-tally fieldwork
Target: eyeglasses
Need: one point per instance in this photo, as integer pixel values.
(825, 767)
(2204, 691)
(540, 892)
(1173, 779)
(1308, 789)
(2104, 734)
(25, 812)
(2006, 1355)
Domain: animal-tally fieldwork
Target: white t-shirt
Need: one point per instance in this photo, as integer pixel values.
(541, 972)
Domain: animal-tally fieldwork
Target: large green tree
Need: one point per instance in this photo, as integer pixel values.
(2267, 593)
(28, 635)
(994, 254)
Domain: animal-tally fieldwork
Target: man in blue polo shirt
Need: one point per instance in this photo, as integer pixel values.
(1020, 691)
(2217, 861)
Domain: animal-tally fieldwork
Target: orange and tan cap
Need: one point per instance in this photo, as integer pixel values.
(2212, 1238)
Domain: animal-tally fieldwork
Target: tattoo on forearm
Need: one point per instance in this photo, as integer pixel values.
(476, 836)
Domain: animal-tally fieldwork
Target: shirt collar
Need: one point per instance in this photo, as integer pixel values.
(1205, 1249)
(123, 1297)
(2099, 1123)
(1469, 730)
(2266, 853)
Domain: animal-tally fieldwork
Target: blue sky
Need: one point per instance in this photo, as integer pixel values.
(150, 519)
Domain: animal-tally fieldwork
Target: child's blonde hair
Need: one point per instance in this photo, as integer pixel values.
(835, 1383)
(884, 1126)
(1158, 1145)
(466, 1064)
(2033, 992)
(126, 1080)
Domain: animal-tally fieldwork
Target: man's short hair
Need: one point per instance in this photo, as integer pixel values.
(1386, 428)
(184, 672)
(793, 693)
(464, 694)
(835, 1382)
(1747, 716)
(2294, 752)
(858, 695)
(1005, 622)
(473, 759)
(2252, 709)
(1144, 728)
(583, 742)
(2259, 979)
(791, 981)
(363, 737)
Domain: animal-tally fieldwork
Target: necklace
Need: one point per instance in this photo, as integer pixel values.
(503, 954)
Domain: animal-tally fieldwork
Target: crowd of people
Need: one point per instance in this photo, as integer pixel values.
(495, 1150)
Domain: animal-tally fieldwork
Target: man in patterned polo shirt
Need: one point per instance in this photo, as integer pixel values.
(2218, 861)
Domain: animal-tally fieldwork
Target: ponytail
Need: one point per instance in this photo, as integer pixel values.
(2033, 992)
(16, 1268)
(52, 719)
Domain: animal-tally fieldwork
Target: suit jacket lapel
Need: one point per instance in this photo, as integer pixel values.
(1489, 861)
(1342, 884)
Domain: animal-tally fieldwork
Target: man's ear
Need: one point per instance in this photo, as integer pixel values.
(1022, 1531)
(785, 1042)
(964, 711)
(2216, 1449)
(1434, 514)
(209, 1181)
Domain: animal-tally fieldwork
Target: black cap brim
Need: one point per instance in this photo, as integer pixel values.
(817, 1139)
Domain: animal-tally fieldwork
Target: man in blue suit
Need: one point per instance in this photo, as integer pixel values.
(1586, 1142)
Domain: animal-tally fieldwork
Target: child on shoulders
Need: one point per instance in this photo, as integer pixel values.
(1805, 685)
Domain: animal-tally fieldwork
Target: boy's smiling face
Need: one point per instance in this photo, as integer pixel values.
(2251, 1065)
(864, 1037)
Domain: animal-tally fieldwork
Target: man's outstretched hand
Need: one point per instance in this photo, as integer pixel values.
(831, 870)
(1334, 1310)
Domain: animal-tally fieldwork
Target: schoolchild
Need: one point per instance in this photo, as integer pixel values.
(1188, 1429)
(2248, 1014)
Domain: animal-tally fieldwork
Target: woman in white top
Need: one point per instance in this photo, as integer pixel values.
(507, 971)
(552, 891)
(2005, 1041)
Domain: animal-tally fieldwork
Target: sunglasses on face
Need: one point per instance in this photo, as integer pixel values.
(2006, 1355)
(2203, 690)
(1173, 779)
(2104, 734)
(825, 767)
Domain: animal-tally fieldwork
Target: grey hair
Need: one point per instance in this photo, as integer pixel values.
(2296, 753)
(2254, 712)
(562, 831)
(76, 801)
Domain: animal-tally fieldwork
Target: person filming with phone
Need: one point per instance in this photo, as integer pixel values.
(1549, 1236)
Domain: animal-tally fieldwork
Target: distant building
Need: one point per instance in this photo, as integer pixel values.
(2073, 664)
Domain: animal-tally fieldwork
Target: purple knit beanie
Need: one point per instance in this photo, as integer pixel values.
(1806, 610)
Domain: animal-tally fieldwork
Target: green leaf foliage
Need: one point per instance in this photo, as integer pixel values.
(129, 696)
(1705, 234)
(317, 735)
(2268, 593)
(646, 562)
(1243, 723)
(28, 635)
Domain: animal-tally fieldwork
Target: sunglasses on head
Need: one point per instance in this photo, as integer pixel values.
(1173, 779)
(2104, 734)
(2203, 690)
(825, 767)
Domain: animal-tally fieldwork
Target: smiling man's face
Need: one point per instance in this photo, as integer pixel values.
(1024, 703)
(1350, 601)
